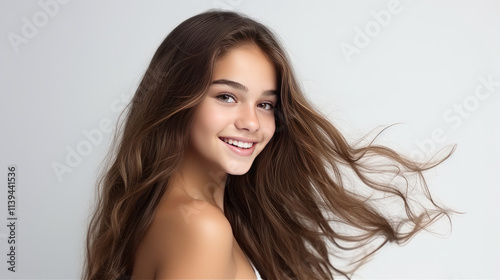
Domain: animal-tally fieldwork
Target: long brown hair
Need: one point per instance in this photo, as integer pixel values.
(309, 197)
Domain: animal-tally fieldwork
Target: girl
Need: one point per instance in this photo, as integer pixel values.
(223, 170)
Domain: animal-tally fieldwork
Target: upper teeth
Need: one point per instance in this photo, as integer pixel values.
(237, 143)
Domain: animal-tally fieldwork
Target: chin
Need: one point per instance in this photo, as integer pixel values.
(238, 168)
(238, 172)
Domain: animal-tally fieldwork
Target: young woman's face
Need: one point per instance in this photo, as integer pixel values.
(235, 120)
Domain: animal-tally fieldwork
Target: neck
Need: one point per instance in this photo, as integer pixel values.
(200, 180)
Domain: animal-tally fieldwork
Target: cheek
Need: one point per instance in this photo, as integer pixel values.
(208, 120)
(268, 127)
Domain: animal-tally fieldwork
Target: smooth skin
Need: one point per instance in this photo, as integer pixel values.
(190, 237)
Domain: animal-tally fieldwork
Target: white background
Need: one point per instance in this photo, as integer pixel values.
(85, 59)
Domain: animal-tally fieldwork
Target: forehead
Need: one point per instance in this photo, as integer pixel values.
(247, 65)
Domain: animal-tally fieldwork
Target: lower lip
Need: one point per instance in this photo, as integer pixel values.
(240, 151)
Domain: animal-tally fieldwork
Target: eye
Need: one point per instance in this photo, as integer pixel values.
(266, 106)
(226, 98)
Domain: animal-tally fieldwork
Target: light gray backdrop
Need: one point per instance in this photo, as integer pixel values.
(68, 67)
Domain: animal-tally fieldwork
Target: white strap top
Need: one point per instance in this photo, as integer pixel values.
(256, 272)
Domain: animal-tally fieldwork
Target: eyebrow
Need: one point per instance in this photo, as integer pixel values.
(239, 86)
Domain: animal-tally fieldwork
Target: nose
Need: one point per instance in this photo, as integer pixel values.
(247, 119)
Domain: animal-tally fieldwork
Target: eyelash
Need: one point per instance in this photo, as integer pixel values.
(226, 95)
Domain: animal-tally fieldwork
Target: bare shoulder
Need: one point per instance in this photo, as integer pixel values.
(193, 218)
(191, 239)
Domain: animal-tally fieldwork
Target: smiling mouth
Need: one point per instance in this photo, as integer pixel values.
(239, 144)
